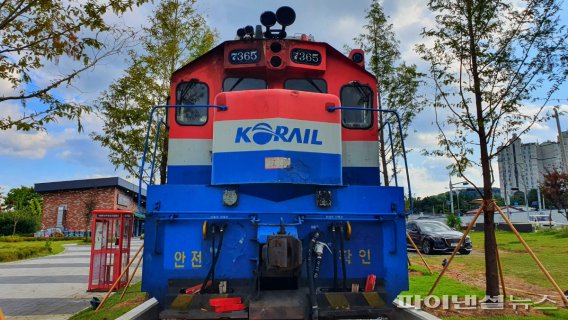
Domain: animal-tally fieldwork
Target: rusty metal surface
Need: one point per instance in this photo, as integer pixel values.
(285, 304)
(361, 305)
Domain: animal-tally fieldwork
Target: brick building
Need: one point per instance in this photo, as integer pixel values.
(66, 204)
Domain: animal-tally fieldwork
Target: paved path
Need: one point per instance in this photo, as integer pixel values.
(52, 287)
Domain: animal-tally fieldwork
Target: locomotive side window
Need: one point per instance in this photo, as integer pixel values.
(192, 93)
(309, 85)
(358, 96)
(241, 84)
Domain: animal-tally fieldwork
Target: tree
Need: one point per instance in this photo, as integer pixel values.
(21, 198)
(177, 34)
(36, 35)
(554, 189)
(487, 60)
(1, 199)
(90, 205)
(398, 82)
(23, 202)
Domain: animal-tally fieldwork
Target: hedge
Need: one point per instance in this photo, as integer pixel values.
(21, 239)
(22, 253)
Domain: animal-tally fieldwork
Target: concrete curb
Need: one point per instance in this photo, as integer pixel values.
(145, 311)
(406, 311)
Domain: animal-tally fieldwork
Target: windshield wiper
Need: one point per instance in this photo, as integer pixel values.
(239, 80)
(312, 82)
(186, 89)
(361, 90)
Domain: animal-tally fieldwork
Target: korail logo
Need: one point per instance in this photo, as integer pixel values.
(263, 133)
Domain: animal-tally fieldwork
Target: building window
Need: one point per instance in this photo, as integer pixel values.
(123, 200)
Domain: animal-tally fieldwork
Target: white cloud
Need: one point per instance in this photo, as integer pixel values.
(424, 183)
(32, 145)
(345, 28)
(68, 143)
(6, 88)
(423, 140)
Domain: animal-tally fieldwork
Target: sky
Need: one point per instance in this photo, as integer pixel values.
(61, 153)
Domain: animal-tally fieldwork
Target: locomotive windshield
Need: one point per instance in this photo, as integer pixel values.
(358, 96)
(309, 85)
(192, 93)
(241, 84)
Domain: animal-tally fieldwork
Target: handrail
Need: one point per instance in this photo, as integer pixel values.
(393, 154)
(332, 109)
(155, 148)
(224, 108)
(154, 108)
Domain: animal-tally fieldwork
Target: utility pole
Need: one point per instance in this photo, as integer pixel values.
(539, 201)
(451, 196)
(561, 142)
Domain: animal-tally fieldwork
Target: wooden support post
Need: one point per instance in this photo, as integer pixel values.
(455, 250)
(531, 253)
(118, 279)
(419, 254)
(131, 277)
(501, 277)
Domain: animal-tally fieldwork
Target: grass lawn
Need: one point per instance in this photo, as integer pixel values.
(113, 308)
(12, 251)
(466, 273)
(551, 247)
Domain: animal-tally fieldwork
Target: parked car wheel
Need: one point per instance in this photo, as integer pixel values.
(427, 246)
(466, 252)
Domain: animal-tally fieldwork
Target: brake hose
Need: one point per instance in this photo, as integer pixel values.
(342, 252)
(215, 259)
(334, 240)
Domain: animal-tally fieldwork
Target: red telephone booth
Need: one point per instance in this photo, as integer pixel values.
(110, 248)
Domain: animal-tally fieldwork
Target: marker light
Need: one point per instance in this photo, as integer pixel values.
(357, 57)
(241, 32)
(268, 19)
(285, 16)
(249, 30)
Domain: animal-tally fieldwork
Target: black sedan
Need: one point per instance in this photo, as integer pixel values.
(434, 236)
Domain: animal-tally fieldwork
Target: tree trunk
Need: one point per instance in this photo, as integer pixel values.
(382, 150)
(14, 230)
(491, 271)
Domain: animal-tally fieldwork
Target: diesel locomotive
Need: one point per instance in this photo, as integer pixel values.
(273, 193)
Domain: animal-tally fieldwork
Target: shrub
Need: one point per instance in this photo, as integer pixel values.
(48, 245)
(25, 225)
(453, 221)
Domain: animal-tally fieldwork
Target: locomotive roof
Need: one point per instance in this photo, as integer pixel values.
(328, 47)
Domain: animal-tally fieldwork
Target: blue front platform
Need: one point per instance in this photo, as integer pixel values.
(175, 249)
